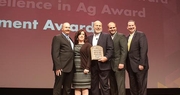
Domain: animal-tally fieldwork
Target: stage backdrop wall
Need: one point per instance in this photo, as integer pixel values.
(28, 26)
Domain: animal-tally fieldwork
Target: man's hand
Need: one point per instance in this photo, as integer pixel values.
(121, 66)
(141, 67)
(103, 59)
(58, 72)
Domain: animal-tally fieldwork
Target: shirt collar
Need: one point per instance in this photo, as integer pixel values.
(112, 36)
(97, 35)
(67, 36)
(132, 34)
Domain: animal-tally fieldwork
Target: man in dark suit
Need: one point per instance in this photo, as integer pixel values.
(117, 75)
(62, 56)
(100, 68)
(137, 60)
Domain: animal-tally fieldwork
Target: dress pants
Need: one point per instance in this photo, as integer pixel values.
(63, 81)
(138, 82)
(99, 78)
(117, 82)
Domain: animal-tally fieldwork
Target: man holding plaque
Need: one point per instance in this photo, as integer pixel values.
(117, 74)
(100, 67)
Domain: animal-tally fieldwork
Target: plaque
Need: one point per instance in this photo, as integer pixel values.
(96, 52)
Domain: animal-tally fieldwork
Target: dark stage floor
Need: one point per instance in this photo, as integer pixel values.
(48, 91)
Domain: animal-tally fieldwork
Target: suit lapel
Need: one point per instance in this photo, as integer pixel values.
(133, 39)
(115, 37)
(66, 40)
(90, 38)
(100, 38)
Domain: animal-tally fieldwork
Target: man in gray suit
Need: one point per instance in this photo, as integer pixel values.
(117, 75)
(137, 60)
(63, 65)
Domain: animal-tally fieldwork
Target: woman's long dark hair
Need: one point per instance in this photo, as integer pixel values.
(77, 34)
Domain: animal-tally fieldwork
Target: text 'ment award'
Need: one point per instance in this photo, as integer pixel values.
(96, 52)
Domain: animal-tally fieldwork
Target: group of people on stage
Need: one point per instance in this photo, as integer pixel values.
(73, 67)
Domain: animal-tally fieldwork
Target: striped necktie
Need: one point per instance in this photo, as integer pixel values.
(72, 45)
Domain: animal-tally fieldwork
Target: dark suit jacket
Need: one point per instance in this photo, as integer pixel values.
(62, 53)
(105, 41)
(137, 54)
(120, 51)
